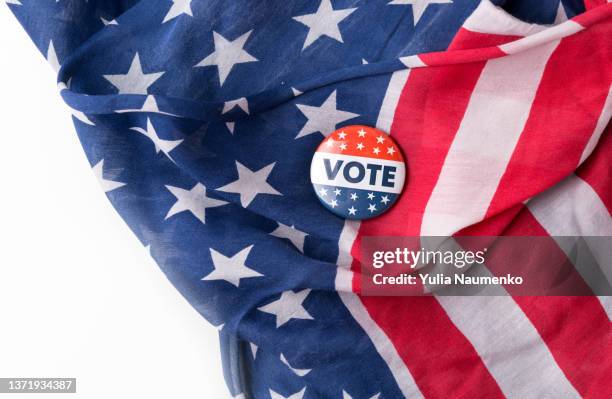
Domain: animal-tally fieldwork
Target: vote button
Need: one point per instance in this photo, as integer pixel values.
(358, 172)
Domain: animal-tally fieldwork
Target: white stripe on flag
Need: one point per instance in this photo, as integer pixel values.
(573, 208)
(550, 35)
(486, 138)
(509, 345)
(381, 342)
(383, 345)
(392, 96)
(488, 18)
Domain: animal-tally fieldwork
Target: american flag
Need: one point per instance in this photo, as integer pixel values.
(200, 119)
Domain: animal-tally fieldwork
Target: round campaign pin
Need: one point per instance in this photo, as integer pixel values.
(358, 172)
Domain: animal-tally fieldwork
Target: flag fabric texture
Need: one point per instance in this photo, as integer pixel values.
(200, 118)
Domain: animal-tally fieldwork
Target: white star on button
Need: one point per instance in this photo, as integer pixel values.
(195, 201)
(324, 22)
(231, 269)
(250, 184)
(419, 6)
(135, 81)
(227, 54)
(292, 234)
(107, 185)
(287, 307)
(323, 119)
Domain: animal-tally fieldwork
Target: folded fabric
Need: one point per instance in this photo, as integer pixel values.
(200, 119)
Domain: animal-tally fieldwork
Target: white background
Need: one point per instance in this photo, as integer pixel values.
(79, 296)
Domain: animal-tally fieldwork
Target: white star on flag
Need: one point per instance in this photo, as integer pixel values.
(241, 103)
(135, 81)
(419, 6)
(149, 105)
(231, 269)
(324, 22)
(107, 22)
(195, 201)
(323, 119)
(287, 307)
(160, 144)
(352, 210)
(254, 349)
(227, 54)
(107, 185)
(52, 57)
(76, 113)
(250, 184)
(297, 395)
(178, 7)
(299, 372)
(345, 395)
(292, 234)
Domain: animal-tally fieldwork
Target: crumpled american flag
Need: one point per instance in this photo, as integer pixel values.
(200, 118)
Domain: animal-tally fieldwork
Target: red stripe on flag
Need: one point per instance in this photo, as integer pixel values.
(427, 117)
(576, 329)
(596, 169)
(563, 116)
(441, 360)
